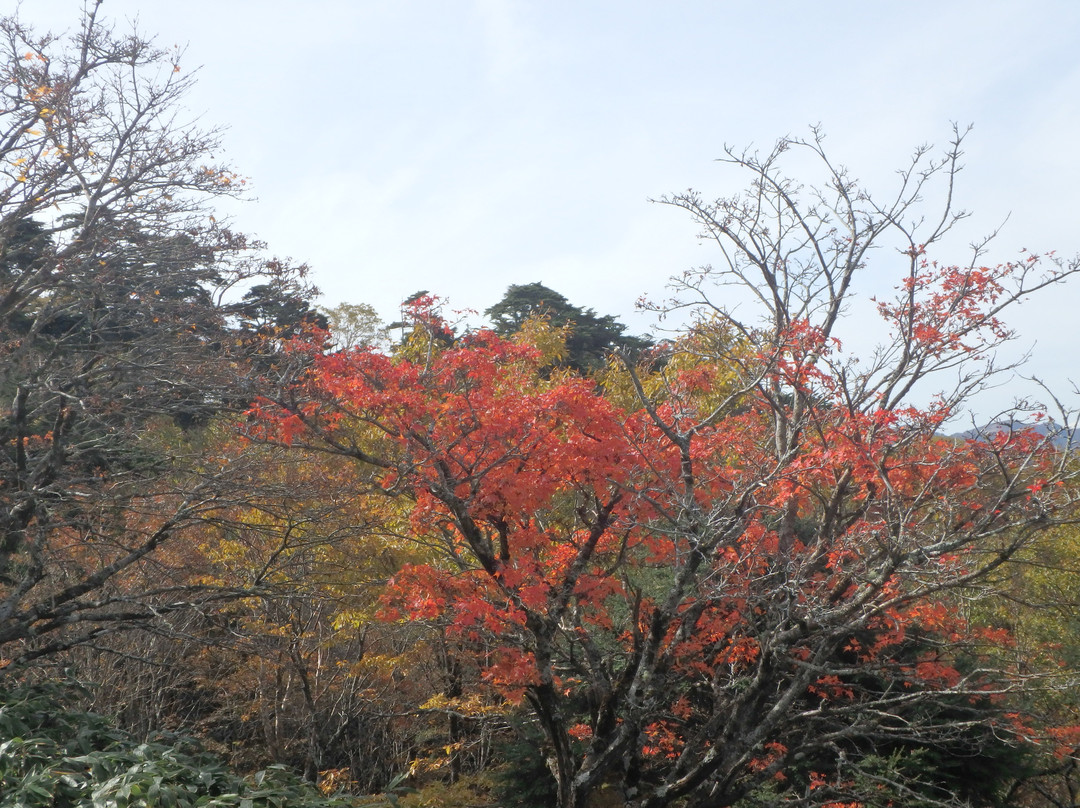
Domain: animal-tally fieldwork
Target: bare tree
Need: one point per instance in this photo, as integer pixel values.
(799, 254)
(120, 312)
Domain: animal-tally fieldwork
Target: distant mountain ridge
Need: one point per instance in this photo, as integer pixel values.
(1061, 437)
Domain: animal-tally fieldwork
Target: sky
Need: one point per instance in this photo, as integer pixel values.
(460, 146)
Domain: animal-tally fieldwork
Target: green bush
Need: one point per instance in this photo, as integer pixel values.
(55, 756)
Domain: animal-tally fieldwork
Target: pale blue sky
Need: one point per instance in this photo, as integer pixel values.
(463, 146)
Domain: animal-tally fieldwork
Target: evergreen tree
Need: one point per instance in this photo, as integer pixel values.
(592, 337)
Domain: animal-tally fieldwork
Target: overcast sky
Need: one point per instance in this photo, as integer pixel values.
(463, 146)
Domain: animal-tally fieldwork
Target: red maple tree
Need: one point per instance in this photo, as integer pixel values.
(746, 579)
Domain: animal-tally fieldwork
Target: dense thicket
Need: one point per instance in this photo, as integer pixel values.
(58, 756)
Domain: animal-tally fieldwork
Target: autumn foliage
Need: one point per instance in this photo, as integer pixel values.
(693, 602)
(743, 566)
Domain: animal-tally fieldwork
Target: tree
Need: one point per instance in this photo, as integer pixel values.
(590, 339)
(1039, 605)
(299, 673)
(747, 584)
(355, 325)
(118, 315)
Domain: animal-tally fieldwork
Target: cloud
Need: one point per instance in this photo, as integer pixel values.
(508, 42)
